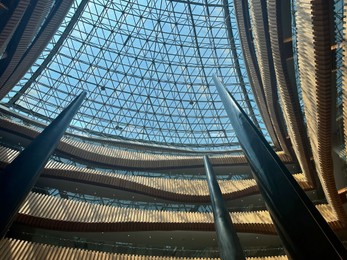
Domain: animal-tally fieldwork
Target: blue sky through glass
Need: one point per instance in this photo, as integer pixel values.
(147, 67)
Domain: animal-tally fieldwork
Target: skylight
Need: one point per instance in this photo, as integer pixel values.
(147, 67)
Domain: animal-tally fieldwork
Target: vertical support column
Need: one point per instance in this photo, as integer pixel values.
(228, 241)
(305, 233)
(20, 176)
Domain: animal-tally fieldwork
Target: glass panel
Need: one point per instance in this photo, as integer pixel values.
(147, 67)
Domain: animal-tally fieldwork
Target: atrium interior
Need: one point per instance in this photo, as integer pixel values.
(127, 180)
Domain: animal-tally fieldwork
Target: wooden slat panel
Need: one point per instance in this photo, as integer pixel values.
(12, 24)
(246, 38)
(287, 89)
(262, 45)
(344, 79)
(173, 189)
(132, 159)
(82, 216)
(12, 249)
(313, 28)
(32, 26)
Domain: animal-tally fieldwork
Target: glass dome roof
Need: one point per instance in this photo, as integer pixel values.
(147, 67)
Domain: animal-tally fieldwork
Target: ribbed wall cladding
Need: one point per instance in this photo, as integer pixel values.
(12, 249)
(30, 30)
(344, 80)
(12, 23)
(262, 46)
(122, 158)
(243, 21)
(287, 91)
(50, 212)
(170, 189)
(15, 73)
(315, 59)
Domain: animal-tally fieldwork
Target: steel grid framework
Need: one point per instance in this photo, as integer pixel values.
(147, 67)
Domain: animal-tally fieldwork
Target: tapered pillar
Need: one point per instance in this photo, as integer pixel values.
(228, 241)
(305, 233)
(20, 176)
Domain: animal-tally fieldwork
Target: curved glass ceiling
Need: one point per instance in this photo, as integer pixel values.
(147, 67)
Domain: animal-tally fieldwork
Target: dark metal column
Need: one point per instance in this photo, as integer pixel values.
(20, 176)
(228, 241)
(305, 233)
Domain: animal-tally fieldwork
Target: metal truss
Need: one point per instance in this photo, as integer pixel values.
(147, 67)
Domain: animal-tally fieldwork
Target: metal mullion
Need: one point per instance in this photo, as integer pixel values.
(161, 31)
(155, 116)
(131, 120)
(199, 54)
(212, 38)
(127, 32)
(180, 57)
(33, 98)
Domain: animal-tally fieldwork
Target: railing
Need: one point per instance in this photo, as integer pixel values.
(188, 190)
(121, 158)
(131, 248)
(44, 211)
(168, 206)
